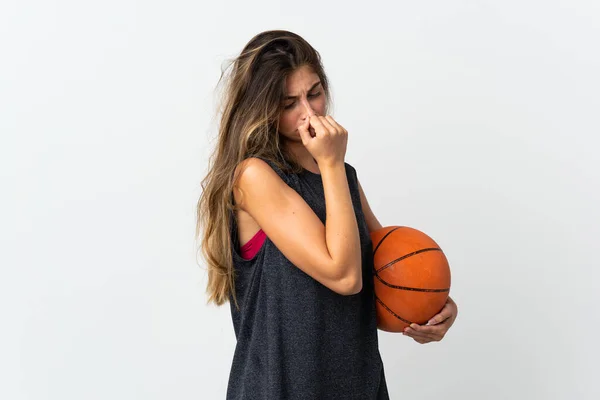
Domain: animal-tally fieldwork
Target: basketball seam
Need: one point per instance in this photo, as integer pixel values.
(411, 288)
(390, 311)
(406, 256)
(383, 238)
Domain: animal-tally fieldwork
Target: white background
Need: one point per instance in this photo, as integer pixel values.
(474, 121)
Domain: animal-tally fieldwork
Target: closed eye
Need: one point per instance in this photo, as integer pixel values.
(309, 96)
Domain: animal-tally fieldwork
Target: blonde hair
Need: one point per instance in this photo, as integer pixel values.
(249, 124)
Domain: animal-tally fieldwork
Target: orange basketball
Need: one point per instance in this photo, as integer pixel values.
(411, 276)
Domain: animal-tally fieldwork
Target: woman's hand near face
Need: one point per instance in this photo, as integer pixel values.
(328, 145)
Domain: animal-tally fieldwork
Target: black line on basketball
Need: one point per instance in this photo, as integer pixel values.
(383, 238)
(391, 312)
(413, 289)
(406, 256)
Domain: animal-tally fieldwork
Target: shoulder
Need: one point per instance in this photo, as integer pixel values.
(256, 172)
(257, 167)
(256, 175)
(252, 168)
(250, 174)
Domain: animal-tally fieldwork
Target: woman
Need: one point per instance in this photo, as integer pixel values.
(286, 235)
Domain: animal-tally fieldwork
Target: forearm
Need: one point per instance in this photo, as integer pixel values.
(341, 228)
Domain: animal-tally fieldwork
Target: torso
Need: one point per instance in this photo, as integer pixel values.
(285, 310)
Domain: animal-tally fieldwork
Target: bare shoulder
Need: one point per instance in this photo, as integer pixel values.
(254, 176)
(252, 169)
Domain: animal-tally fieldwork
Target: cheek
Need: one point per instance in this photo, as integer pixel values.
(287, 122)
(319, 106)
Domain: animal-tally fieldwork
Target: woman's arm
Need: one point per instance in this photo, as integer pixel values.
(330, 253)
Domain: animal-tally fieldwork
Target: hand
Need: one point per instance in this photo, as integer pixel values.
(328, 145)
(437, 326)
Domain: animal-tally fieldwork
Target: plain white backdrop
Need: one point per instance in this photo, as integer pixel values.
(474, 121)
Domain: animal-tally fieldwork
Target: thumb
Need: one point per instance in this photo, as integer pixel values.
(303, 131)
(439, 318)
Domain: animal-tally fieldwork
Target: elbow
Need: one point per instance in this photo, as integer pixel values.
(351, 285)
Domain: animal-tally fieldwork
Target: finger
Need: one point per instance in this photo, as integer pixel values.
(423, 336)
(335, 124)
(304, 133)
(320, 129)
(421, 341)
(441, 317)
(417, 336)
(438, 319)
(412, 332)
(420, 328)
(433, 331)
(328, 125)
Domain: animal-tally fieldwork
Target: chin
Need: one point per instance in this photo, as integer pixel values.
(289, 136)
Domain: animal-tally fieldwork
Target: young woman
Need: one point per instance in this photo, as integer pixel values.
(286, 235)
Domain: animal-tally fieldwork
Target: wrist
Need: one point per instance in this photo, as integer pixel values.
(331, 165)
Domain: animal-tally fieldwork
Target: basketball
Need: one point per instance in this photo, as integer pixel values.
(411, 277)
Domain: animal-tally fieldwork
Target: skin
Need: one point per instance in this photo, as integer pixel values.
(309, 101)
(437, 327)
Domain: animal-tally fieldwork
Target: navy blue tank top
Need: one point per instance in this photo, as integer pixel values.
(296, 338)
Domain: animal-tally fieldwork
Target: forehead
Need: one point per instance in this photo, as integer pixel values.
(300, 80)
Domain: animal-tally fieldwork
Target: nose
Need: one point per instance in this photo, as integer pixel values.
(308, 109)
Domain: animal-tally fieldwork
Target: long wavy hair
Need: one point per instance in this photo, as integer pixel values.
(252, 101)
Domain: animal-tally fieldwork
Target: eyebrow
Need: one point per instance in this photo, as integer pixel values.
(310, 90)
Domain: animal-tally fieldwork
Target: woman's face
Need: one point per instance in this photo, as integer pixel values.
(305, 97)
